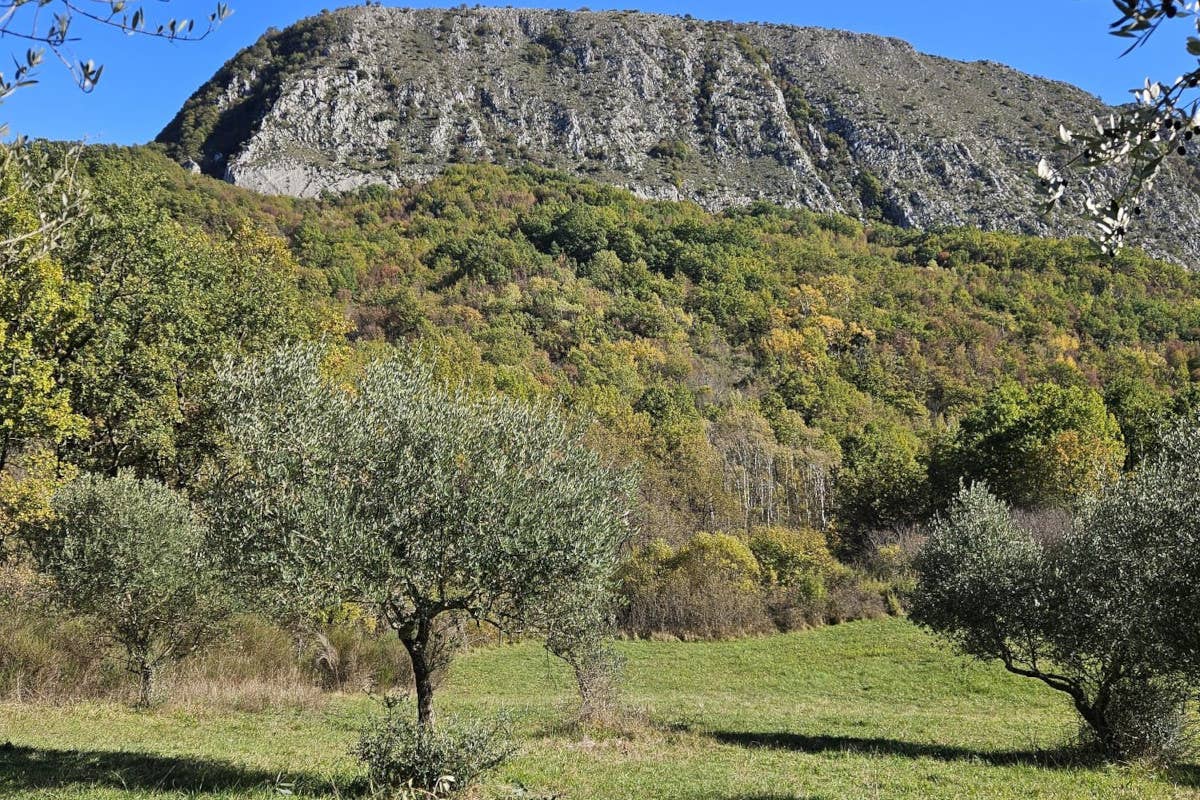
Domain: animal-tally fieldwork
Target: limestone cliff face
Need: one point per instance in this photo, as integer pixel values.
(672, 108)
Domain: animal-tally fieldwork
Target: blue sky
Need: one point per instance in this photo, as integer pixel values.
(146, 81)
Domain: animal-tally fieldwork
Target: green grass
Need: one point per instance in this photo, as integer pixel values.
(865, 710)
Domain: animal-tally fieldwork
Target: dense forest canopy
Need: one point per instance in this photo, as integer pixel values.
(765, 366)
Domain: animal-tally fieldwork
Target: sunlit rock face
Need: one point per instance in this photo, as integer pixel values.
(718, 113)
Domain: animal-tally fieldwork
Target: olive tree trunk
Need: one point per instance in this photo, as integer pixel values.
(146, 676)
(416, 640)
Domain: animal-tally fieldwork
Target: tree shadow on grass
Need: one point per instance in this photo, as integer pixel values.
(1184, 774)
(31, 768)
(801, 743)
(1067, 757)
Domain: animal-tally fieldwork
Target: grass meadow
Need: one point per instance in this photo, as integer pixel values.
(872, 709)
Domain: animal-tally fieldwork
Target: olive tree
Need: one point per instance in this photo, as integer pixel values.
(1149, 525)
(129, 554)
(417, 499)
(583, 640)
(1103, 610)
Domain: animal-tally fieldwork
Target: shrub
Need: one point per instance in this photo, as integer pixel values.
(794, 559)
(1146, 720)
(349, 657)
(793, 609)
(253, 665)
(646, 563)
(709, 555)
(852, 597)
(718, 586)
(671, 150)
(715, 608)
(401, 753)
(44, 654)
(536, 53)
(706, 590)
(889, 558)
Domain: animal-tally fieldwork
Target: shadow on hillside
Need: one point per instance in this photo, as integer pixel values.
(30, 768)
(895, 747)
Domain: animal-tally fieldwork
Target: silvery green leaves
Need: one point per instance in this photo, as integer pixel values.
(414, 761)
(54, 24)
(977, 552)
(1103, 608)
(419, 499)
(1128, 149)
(48, 177)
(129, 555)
(1157, 509)
(1140, 18)
(21, 75)
(1124, 154)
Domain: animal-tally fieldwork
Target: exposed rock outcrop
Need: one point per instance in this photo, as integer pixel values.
(674, 108)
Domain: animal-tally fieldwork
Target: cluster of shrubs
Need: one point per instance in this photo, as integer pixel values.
(721, 585)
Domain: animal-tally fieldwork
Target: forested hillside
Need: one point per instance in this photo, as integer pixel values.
(762, 367)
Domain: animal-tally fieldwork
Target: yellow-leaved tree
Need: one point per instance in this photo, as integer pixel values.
(38, 310)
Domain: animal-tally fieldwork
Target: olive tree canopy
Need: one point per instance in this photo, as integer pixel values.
(129, 554)
(421, 500)
(1103, 610)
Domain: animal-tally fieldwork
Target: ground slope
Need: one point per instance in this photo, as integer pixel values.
(872, 709)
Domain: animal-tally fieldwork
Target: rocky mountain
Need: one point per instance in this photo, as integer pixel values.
(675, 108)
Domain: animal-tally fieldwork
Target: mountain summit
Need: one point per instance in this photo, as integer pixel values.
(673, 108)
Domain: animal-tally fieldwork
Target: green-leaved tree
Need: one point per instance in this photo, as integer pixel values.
(129, 554)
(1103, 610)
(1041, 446)
(165, 304)
(39, 309)
(416, 499)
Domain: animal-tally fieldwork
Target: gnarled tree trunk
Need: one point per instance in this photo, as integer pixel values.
(146, 674)
(416, 640)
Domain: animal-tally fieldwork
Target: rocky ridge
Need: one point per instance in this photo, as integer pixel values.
(672, 108)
